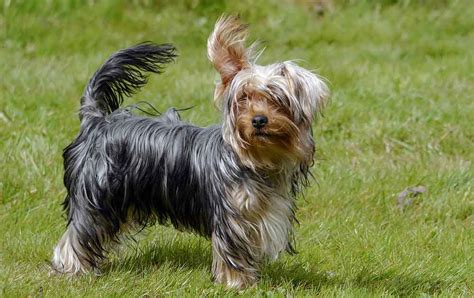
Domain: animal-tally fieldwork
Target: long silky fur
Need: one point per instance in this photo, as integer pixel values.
(223, 182)
(124, 169)
(121, 75)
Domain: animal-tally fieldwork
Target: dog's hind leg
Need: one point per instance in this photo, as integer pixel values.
(83, 246)
(69, 255)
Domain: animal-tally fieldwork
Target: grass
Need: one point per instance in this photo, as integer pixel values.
(401, 115)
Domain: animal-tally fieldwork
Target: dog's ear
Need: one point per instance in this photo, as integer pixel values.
(226, 50)
(309, 91)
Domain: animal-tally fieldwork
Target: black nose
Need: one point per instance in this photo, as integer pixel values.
(259, 121)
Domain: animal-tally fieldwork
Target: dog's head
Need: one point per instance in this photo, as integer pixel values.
(268, 110)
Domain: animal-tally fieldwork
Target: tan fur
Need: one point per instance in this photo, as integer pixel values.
(281, 139)
(264, 223)
(226, 50)
(288, 96)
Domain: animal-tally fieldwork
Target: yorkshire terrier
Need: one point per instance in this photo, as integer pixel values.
(234, 183)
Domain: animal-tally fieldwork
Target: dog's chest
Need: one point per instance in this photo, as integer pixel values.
(268, 209)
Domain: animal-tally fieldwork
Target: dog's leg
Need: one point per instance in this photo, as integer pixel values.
(83, 245)
(69, 255)
(230, 266)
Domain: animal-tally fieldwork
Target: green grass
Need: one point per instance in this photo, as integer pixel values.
(401, 114)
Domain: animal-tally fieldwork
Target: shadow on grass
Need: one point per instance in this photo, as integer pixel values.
(280, 274)
(397, 284)
(177, 254)
(197, 256)
(389, 281)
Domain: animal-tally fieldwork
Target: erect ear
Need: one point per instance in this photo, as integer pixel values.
(309, 91)
(226, 50)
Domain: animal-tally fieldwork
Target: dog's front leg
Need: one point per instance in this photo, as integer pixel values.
(233, 264)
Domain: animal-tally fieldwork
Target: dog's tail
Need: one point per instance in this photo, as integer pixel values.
(122, 75)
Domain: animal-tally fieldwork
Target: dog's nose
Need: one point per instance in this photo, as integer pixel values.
(259, 121)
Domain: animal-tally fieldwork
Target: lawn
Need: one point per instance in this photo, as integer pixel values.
(401, 112)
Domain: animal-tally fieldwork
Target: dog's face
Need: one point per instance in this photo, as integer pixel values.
(268, 110)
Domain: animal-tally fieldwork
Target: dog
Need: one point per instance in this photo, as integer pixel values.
(234, 183)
